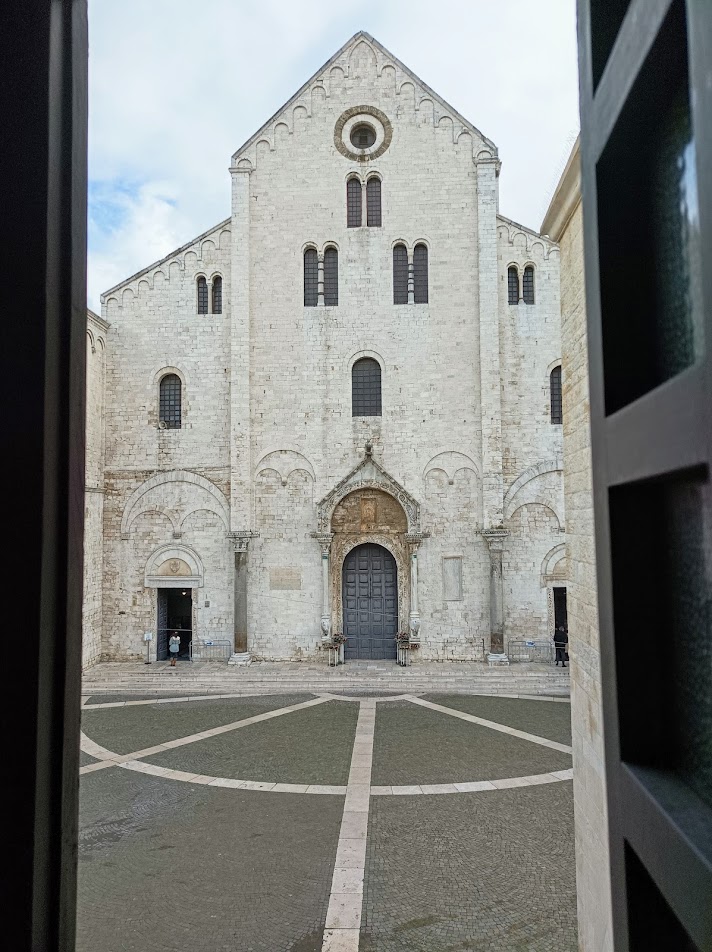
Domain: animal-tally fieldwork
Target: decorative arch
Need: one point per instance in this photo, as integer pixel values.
(537, 501)
(450, 462)
(538, 469)
(284, 462)
(552, 558)
(136, 502)
(368, 474)
(174, 566)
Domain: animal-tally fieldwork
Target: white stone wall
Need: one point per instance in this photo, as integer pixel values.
(94, 490)
(532, 446)
(564, 220)
(267, 384)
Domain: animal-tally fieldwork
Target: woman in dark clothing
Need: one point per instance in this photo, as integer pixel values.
(561, 639)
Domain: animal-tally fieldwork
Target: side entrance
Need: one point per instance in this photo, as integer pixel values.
(174, 614)
(370, 602)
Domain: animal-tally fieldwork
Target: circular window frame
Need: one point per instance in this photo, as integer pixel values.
(367, 115)
(357, 127)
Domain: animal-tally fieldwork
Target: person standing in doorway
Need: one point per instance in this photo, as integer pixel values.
(561, 639)
(174, 647)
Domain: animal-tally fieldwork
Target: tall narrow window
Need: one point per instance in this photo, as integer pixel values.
(512, 285)
(373, 202)
(202, 296)
(331, 277)
(366, 388)
(353, 203)
(420, 274)
(528, 285)
(400, 274)
(311, 278)
(557, 410)
(217, 295)
(169, 409)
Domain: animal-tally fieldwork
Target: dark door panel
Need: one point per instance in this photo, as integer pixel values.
(370, 600)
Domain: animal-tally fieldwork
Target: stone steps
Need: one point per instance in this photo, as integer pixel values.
(289, 679)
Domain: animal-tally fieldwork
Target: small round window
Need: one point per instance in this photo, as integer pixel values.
(363, 136)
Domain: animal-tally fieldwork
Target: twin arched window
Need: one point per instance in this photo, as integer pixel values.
(366, 388)
(330, 264)
(402, 274)
(513, 284)
(555, 396)
(203, 297)
(354, 202)
(170, 402)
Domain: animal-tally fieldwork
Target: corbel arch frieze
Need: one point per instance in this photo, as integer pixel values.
(138, 503)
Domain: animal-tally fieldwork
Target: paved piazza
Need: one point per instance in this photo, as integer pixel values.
(324, 823)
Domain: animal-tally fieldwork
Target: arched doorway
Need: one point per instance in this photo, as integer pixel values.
(370, 602)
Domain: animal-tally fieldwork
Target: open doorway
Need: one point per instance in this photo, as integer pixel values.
(174, 614)
(560, 609)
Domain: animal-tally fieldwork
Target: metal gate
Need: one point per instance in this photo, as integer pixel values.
(370, 598)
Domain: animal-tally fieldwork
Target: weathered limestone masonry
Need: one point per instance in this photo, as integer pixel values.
(564, 222)
(94, 490)
(245, 504)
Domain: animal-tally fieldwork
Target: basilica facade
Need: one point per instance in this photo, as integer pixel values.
(338, 410)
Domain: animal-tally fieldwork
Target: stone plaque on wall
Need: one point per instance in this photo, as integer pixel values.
(285, 579)
(452, 578)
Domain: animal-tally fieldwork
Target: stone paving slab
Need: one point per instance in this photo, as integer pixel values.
(471, 873)
(548, 719)
(307, 747)
(169, 867)
(414, 745)
(86, 759)
(134, 728)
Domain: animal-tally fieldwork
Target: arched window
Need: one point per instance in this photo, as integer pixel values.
(202, 296)
(311, 278)
(217, 295)
(420, 274)
(557, 409)
(400, 274)
(331, 277)
(528, 285)
(512, 285)
(353, 203)
(373, 202)
(366, 387)
(169, 403)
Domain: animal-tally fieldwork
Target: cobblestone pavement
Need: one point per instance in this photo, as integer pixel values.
(205, 864)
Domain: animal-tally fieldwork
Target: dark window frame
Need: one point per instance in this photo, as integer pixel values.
(528, 284)
(513, 284)
(420, 273)
(311, 277)
(400, 274)
(170, 402)
(651, 448)
(366, 388)
(556, 404)
(354, 202)
(331, 276)
(216, 294)
(374, 190)
(201, 287)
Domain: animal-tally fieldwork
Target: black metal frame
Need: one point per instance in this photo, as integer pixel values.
(202, 292)
(420, 274)
(400, 274)
(217, 294)
(170, 402)
(513, 284)
(331, 277)
(373, 202)
(651, 434)
(528, 284)
(311, 278)
(43, 102)
(556, 404)
(366, 388)
(354, 202)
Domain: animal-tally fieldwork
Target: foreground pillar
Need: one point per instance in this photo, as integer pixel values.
(240, 542)
(324, 540)
(495, 543)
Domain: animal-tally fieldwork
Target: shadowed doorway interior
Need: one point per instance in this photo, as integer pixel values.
(174, 613)
(370, 599)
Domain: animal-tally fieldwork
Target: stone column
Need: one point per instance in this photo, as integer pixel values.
(324, 540)
(495, 542)
(320, 280)
(413, 539)
(240, 541)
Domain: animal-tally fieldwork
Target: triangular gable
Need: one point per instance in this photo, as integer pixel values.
(368, 474)
(320, 78)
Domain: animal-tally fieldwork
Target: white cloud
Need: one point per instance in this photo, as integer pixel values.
(176, 87)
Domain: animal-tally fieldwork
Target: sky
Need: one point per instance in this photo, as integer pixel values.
(175, 87)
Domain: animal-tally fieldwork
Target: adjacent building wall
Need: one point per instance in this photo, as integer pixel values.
(94, 490)
(564, 223)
